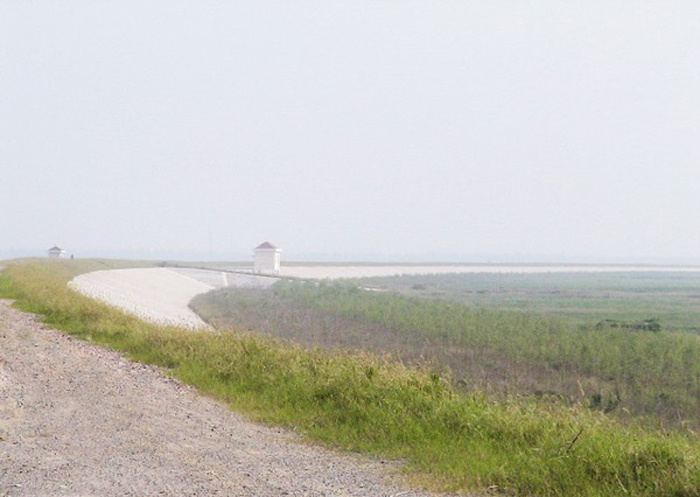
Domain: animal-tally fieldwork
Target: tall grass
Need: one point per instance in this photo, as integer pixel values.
(647, 372)
(364, 403)
(670, 297)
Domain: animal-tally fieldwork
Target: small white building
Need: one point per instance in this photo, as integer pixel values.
(57, 253)
(266, 259)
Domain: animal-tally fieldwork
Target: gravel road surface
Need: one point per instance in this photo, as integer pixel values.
(79, 420)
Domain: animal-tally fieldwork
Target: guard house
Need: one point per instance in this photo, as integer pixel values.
(266, 259)
(57, 253)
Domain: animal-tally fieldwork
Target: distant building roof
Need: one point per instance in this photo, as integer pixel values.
(266, 245)
(55, 249)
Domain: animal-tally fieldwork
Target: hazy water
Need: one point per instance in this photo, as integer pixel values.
(359, 271)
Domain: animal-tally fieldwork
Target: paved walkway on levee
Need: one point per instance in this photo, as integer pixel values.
(79, 420)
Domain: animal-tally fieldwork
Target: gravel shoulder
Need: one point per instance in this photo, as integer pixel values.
(77, 419)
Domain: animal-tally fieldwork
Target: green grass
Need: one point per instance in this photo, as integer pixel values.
(614, 369)
(365, 403)
(671, 297)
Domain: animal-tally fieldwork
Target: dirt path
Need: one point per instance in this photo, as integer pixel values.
(76, 419)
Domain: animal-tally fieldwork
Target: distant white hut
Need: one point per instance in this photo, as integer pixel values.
(266, 259)
(57, 253)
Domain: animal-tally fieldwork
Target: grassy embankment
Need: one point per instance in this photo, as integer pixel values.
(363, 403)
(616, 370)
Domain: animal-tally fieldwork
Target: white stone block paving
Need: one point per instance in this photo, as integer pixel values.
(158, 295)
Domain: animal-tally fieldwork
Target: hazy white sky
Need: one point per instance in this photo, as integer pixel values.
(352, 128)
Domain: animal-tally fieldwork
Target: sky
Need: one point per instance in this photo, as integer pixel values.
(387, 129)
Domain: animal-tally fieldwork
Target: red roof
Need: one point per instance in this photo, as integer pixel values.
(265, 245)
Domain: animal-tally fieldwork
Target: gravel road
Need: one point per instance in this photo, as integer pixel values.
(80, 420)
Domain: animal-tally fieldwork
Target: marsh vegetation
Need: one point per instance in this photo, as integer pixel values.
(672, 298)
(624, 369)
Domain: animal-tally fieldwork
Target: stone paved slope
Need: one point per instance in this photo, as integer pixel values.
(156, 294)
